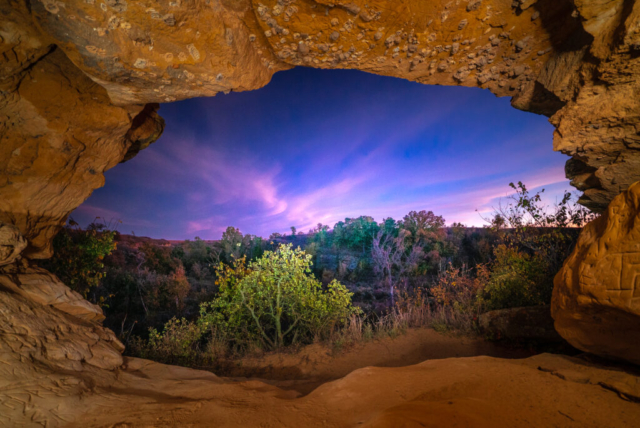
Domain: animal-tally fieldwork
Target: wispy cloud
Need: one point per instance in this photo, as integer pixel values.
(326, 150)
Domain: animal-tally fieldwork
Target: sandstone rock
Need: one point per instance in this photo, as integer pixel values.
(596, 295)
(57, 156)
(545, 390)
(11, 243)
(44, 288)
(146, 128)
(531, 323)
(42, 333)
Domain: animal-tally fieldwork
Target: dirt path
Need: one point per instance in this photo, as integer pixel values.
(315, 365)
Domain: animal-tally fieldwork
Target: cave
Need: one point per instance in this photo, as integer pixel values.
(81, 86)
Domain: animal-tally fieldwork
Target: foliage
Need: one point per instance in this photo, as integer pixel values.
(275, 302)
(178, 343)
(423, 226)
(78, 255)
(158, 259)
(517, 279)
(319, 234)
(456, 287)
(407, 273)
(535, 242)
(356, 233)
(426, 230)
(524, 211)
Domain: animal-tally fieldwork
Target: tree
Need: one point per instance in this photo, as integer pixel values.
(390, 226)
(320, 233)
(178, 288)
(423, 226)
(426, 230)
(231, 243)
(276, 301)
(356, 233)
(523, 211)
(78, 255)
(159, 259)
(293, 231)
(394, 260)
(275, 235)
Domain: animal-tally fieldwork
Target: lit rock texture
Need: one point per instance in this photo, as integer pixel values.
(60, 132)
(11, 244)
(596, 295)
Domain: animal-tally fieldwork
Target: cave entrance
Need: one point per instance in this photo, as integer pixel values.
(316, 146)
(271, 162)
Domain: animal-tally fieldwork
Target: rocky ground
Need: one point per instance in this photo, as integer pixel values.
(545, 390)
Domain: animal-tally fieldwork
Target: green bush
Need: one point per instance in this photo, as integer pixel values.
(78, 255)
(275, 302)
(517, 279)
(178, 343)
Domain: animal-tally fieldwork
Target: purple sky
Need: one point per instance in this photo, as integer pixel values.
(318, 146)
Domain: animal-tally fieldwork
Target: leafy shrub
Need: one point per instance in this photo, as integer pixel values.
(275, 302)
(78, 255)
(533, 248)
(517, 279)
(178, 343)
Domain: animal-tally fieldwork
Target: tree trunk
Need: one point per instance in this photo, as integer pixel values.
(391, 292)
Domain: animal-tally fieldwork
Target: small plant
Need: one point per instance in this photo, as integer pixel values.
(178, 343)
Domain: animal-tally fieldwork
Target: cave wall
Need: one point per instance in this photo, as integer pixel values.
(80, 81)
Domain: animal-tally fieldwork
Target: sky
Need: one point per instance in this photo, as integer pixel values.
(322, 145)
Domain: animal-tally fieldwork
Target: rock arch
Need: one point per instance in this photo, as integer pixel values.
(77, 76)
(81, 80)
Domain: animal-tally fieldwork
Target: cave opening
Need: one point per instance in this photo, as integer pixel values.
(272, 167)
(266, 160)
(79, 87)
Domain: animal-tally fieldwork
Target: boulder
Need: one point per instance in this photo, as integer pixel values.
(596, 295)
(44, 288)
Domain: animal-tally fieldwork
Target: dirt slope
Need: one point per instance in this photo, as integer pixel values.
(314, 365)
(545, 390)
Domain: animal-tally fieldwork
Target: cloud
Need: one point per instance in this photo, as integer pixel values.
(369, 146)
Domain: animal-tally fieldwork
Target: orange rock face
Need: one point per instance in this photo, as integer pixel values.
(596, 295)
(61, 133)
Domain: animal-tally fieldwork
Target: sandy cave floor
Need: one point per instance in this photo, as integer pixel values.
(464, 391)
(314, 365)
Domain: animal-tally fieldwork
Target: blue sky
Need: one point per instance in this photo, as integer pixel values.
(318, 146)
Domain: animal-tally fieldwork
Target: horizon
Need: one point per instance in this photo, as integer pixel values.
(366, 145)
